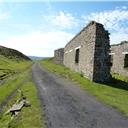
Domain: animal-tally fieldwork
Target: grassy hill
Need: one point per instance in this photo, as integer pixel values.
(15, 74)
(9, 67)
(37, 58)
(11, 62)
(12, 54)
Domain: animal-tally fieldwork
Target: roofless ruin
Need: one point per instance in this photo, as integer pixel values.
(88, 53)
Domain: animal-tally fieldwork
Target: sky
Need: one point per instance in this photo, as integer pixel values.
(38, 27)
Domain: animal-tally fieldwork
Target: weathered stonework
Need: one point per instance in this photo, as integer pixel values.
(88, 53)
(119, 58)
(58, 56)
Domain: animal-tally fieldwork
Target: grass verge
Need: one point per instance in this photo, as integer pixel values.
(114, 94)
(29, 117)
(7, 88)
(9, 67)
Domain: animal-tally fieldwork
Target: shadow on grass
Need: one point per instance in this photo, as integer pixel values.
(118, 84)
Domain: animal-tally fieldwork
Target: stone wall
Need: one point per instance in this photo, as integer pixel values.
(91, 48)
(101, 71)
(119, 56)
(58, 56)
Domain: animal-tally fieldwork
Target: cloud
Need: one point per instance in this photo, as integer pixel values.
(62, 20)
(38, 43)
(124, 7)
(108, 18)
(116, 21)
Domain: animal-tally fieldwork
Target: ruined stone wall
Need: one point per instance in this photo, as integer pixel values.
(118, 53)
(93, 45)
(58, 56)
(102, 65)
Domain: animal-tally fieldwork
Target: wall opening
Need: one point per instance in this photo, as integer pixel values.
(126, 61)
(111, 60)
(77, 55)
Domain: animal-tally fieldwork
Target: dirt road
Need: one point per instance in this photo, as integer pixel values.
(65, 105)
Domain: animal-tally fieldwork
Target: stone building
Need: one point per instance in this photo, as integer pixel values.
(119, 58)
(88, 53)
(58, 56)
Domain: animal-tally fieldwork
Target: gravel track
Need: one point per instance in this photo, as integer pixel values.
(65, 105)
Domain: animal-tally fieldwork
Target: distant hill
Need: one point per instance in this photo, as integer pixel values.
(37, 58)
(12, 54)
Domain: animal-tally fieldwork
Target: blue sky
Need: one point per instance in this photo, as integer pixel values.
(39, 27)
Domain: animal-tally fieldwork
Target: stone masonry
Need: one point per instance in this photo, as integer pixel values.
(88, 53)
(58, 56)
(119, 58)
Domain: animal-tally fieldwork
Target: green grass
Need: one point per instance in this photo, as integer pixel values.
(9, 67)
(7, 88)
(117, 76)
(29, 117)
(16, 73)
(114, 94)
